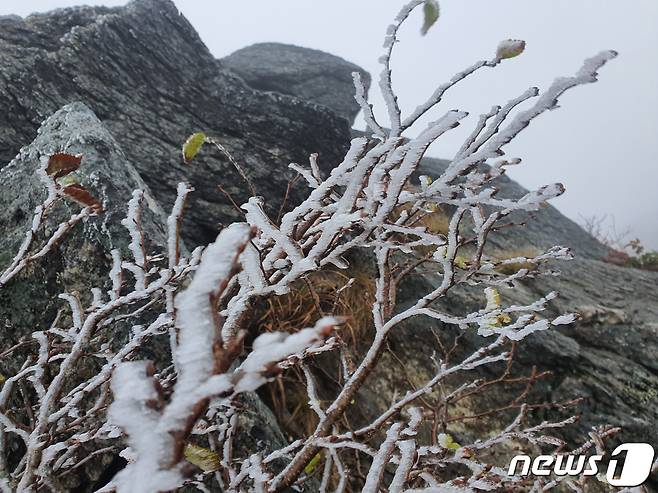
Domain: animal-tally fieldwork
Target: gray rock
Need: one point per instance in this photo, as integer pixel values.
(146, 74)
(312, 75)
(612, 368)
(609, 360)
(82, 260)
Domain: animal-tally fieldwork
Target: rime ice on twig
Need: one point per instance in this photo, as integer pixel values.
(23, 257)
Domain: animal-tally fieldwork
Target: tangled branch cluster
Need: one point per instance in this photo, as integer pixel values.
(201, 303)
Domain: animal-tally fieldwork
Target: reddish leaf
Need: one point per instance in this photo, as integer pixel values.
(79, 194)
(61, 164)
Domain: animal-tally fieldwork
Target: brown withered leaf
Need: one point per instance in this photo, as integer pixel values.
(61, 164)
(79, 194)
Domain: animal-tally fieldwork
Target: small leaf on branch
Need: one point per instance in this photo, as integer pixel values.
(500, 320)
(69, 180)
(431, 12)
(493, 298)
(79, 194)
(311, 466)
(460, 261)
(205, 459)
(446, 441)
(510, 48)
(193, 145)
(61, 164)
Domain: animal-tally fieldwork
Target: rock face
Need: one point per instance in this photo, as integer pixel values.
(82, 260)
(311, 75)
(608, 358)
(144, 72)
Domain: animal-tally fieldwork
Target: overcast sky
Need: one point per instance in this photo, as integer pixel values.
(602, 143)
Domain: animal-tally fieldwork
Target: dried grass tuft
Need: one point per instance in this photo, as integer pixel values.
(322, 293)
(327, 292)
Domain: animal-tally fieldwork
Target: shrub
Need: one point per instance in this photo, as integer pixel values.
(204, 302)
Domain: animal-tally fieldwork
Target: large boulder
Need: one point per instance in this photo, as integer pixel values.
(312, 75)
(144, 71)
(82, 259)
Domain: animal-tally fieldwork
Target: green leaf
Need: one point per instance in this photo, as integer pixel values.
(311, 466)
(205, 459)
(69, 180)
(193, 145)
(431, 11)
(446, 441)
(460, 261)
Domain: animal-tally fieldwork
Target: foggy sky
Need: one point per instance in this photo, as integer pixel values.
(601, 143)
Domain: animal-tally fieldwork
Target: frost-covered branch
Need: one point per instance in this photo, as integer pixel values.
(157, 438)
(49, 171)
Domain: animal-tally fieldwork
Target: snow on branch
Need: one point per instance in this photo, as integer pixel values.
(48, 172)
(156, 437)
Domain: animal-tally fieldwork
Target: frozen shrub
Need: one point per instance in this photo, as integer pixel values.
(206, 298)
